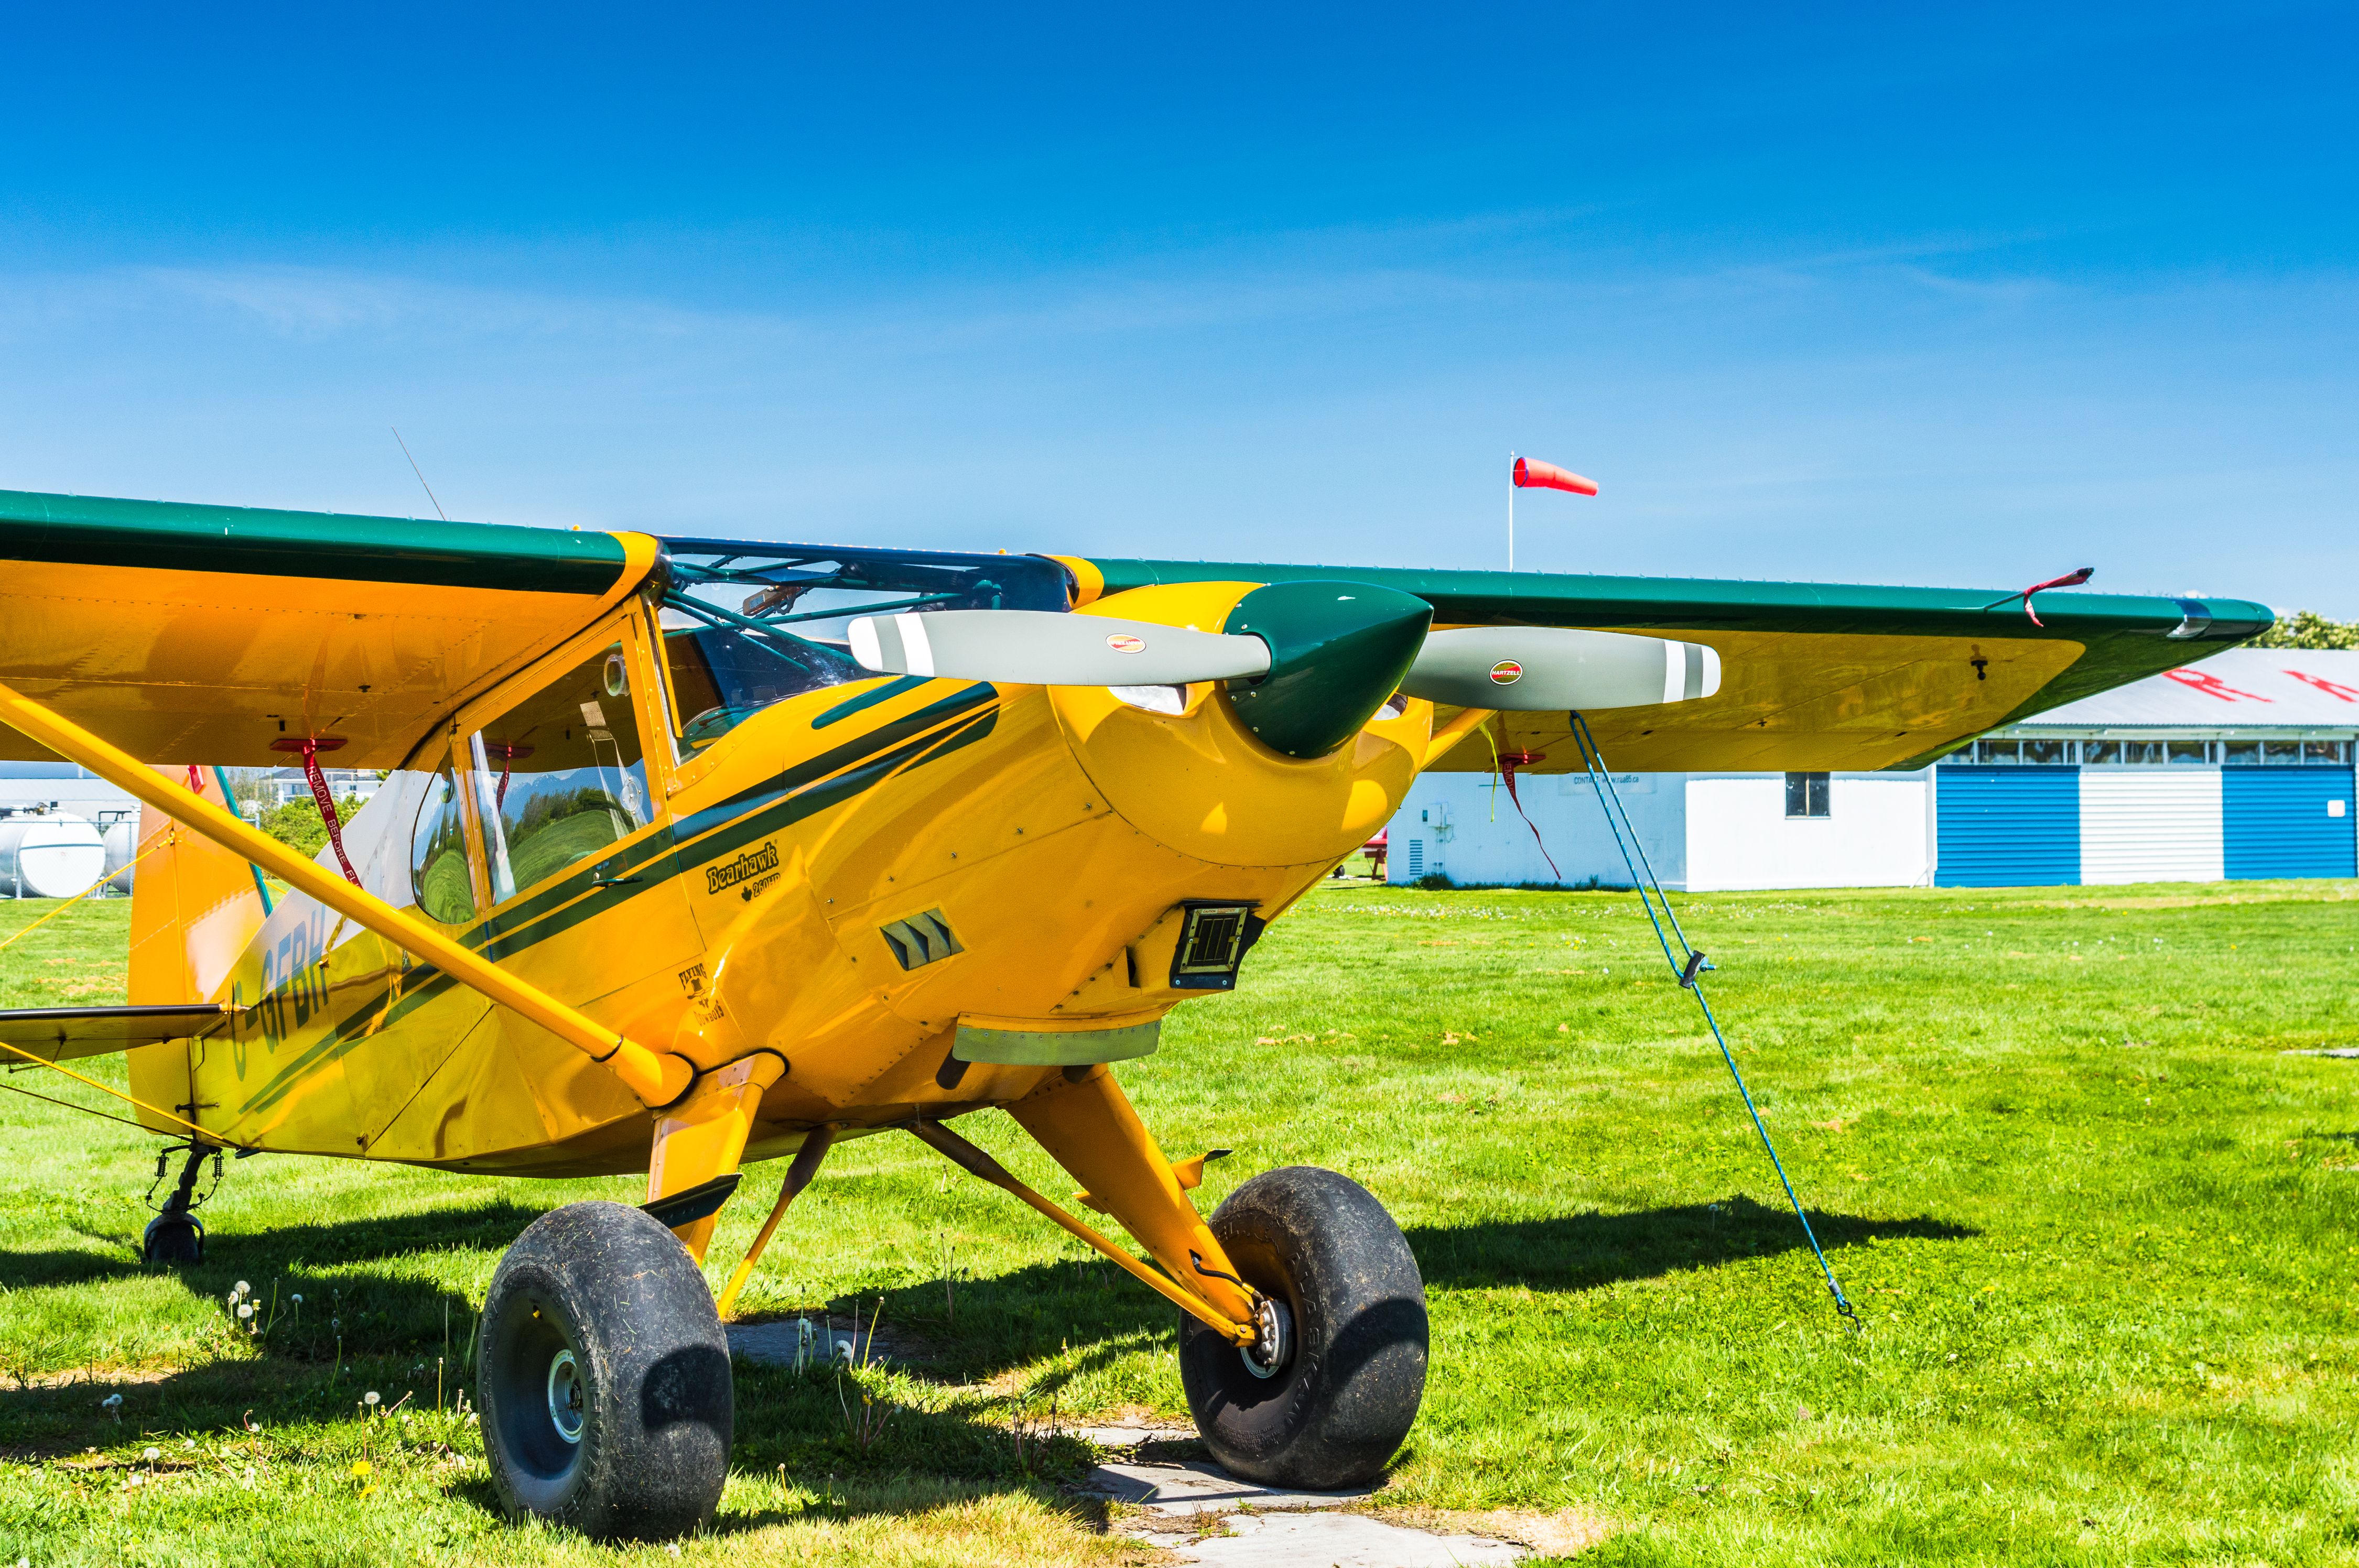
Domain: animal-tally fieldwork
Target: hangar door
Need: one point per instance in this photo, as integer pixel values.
(2006, 826)
(2285, 822)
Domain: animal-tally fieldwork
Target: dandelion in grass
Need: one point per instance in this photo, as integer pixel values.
(151, 1454)
(369, 1399)
(113, 1406)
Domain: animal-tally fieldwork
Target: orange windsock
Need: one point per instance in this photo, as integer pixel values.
(1534, 475)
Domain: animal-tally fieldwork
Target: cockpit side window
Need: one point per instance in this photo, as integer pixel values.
(745, 625)
(438, 855)
(561, 776)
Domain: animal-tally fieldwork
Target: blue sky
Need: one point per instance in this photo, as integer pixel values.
(1966, 295)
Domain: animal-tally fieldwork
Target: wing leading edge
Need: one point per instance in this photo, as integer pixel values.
(1816, 675)
(184, 632)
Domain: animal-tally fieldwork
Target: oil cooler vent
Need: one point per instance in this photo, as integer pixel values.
(1214, 940)
(920, 939)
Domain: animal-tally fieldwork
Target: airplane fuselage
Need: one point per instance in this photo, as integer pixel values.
(857, 878)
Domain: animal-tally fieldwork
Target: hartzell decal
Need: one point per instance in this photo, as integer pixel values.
(745, 867)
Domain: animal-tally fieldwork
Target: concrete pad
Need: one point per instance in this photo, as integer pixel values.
(1338, 1540)
(772, 1343)
(1190, 1486)
(1131, 1436)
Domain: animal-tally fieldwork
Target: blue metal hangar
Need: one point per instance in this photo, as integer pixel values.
(2240, 766)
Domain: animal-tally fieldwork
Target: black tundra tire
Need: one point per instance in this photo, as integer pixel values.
(604, 1377)
(1332, 1413)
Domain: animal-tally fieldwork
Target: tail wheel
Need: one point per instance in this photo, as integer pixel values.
(174, 1239)
(1324, 1397)
(604, 1377)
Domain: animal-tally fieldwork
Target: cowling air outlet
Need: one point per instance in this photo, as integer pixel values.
(1214, 938)
(920, 939)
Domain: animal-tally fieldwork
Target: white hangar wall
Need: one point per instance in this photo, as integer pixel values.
(1877, 832)
(1703, 832)
(1460, 827)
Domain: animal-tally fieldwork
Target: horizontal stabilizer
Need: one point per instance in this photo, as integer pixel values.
(62, 1033)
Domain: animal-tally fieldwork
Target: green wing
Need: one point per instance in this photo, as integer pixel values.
(1814, 675)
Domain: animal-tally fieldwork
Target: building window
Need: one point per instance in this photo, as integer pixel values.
(1806, 795)
(2316, 751)
(2240, 753)
(2101, 753)
(2281, 752)
(2050, 754)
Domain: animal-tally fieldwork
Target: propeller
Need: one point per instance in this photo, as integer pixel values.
(1518, 668)
(1045, 647)
(1528, 669)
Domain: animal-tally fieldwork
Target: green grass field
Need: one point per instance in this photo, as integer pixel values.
(2098, 1222)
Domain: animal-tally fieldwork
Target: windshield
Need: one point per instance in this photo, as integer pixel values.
(748, 625)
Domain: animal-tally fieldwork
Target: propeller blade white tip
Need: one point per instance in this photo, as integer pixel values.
(915, 648)
(862, 634)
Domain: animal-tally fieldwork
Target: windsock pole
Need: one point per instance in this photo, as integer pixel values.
(1511, 510)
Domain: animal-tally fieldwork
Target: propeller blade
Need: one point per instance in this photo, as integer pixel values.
(1531, 669)
(1042, 647)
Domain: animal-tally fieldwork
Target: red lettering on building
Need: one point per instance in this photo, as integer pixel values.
(2212, 686)
(2333, 688)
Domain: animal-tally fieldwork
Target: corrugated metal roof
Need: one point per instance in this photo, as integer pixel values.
(2244, 688)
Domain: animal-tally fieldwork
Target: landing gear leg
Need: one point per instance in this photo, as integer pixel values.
(1331, 1383)
(176, 1236)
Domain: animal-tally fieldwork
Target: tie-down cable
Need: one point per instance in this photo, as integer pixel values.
(1687, 968)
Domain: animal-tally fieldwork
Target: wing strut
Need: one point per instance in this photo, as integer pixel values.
(658, 1079)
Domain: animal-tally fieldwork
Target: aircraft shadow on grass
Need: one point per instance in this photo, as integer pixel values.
(1585, 1251)
(1077, 1317)
(982, 1325)
(391, 1323)
(261, 1256)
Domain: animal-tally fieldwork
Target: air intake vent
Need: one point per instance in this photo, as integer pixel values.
(1213, 937)
(920, 939)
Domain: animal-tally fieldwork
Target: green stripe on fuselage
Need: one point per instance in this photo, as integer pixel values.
(799, 791)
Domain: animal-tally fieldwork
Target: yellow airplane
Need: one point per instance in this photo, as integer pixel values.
(700, 852)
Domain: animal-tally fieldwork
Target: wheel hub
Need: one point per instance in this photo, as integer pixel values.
(1273, 1344)
(565, 1396)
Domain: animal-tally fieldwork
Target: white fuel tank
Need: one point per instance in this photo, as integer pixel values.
(48, 855)
(120, 831)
